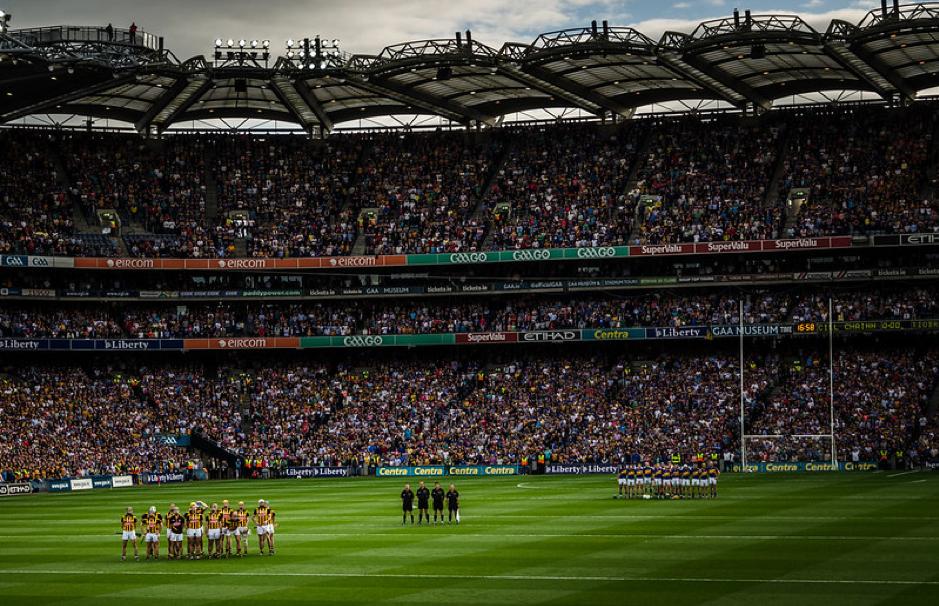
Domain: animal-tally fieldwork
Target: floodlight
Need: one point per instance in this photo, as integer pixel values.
(266, 44)
(241, 43)
(290, 54)
(254, 44)
(231, 43)
(290, 43)
(218, 43)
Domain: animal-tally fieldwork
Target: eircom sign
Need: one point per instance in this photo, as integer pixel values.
(13, 489)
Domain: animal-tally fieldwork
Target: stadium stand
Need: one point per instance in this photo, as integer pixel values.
(600, 407)
(655, 181)
(664, 309)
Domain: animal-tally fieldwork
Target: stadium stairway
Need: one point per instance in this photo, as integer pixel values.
(930, 188)
(211, 448)
(480, 210)
(932, 409)
(642, 151)
(773, 196)
(211, 187)
(63, 180)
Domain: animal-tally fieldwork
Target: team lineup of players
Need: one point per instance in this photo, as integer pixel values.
(424, 496)
(668, 481)
(218, 524)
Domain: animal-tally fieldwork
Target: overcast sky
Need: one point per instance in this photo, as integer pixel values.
(366, 26)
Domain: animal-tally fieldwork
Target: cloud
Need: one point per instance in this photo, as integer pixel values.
(367, 26)
(654, 28)
(362, 26)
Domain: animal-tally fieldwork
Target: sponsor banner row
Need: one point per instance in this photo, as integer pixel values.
(378, 340)
(25, 261)
(804, 466)
(241, 264)
(471, 338)
(523, 286)
(575, 469)
(161, 478)
(470, 258)
(317, 472)
(13, 489)
(91, 344)
(89, 483)
(906, 240)
(448, 470)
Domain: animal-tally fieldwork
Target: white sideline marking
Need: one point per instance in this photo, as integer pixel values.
(488, 577)
(917, 481)
(534, 535)
(902, 473)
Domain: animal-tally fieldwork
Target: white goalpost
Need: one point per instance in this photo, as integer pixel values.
(803, 443)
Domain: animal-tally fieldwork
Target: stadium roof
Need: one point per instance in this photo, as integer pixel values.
(747, 61)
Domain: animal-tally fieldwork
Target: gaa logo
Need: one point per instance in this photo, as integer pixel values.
(531, 255)
(363, 341)
(596, 253)
(469, 258)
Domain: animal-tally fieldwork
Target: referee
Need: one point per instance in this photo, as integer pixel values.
(407, 504)
(438, 495)
(423, 498)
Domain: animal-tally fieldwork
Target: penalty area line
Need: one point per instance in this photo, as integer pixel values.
(486, 577)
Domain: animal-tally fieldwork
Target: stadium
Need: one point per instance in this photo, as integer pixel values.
(645, 316)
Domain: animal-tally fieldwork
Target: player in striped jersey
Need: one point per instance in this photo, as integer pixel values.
(152, 525)
(128, 533)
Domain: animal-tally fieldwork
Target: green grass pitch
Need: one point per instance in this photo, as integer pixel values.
(788, 539)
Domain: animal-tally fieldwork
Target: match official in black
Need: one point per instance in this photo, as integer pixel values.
(423, 498)
(438, 494)
(453, 504)
(407, 504)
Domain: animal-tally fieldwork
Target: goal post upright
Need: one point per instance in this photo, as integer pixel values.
(743, 430)
(831, 385)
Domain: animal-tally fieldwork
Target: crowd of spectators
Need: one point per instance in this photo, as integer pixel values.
(157, 186)
(865, 171)
(563, 186)
(35, 211)
(706, 181)
(423, 191)
(600, 408)
(286, 196)
(878, 400)
(662, 309)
